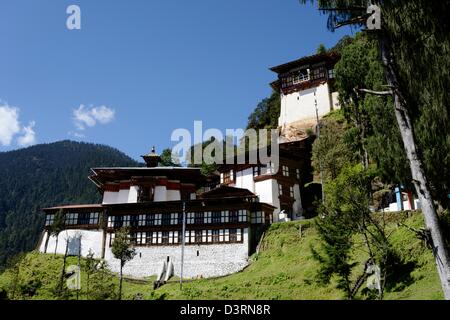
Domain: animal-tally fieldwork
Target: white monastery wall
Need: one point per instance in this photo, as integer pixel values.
(173, 195)
(133, 194)
(205, 261)
(301, 105)
(244, 179)
(123, 196)
(160, 194)
(267, 191)
(110, 197)
(90, 239)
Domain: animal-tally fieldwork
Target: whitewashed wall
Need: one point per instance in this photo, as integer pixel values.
(301, 106)
(90, 239)
(212, 260)
(267, 191)
(133, 194)
(160, 194)
(110, 197)
(244, 179)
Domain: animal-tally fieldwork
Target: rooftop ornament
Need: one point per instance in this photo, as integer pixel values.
(152, 159)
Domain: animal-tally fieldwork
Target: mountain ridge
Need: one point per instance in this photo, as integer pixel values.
(45, 175)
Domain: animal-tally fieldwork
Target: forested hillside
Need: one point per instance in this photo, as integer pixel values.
(46, 175)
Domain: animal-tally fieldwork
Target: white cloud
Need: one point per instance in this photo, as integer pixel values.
(28, 137)
(10, 127)
(88, 117)
(9, 124)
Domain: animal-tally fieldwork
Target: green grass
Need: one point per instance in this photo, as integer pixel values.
(284, 269)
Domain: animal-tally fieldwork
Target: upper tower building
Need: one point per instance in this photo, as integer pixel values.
(307, 92)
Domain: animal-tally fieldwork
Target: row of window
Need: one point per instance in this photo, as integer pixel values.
(191, 237)
(304, 75)
(167, 219)
(71, 219)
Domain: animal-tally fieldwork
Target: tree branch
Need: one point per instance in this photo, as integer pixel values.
(377, 93)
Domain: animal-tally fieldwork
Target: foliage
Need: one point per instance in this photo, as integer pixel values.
(166, 159)
(321, 49)
(266, 114)
(375, 129)
(123, 251)
(344, 214)
(330, 151)
(44, 176)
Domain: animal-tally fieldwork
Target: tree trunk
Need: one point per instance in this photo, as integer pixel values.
(61, 282)
(46, 242)
(120, 281)
(56, 245)
(420, 181)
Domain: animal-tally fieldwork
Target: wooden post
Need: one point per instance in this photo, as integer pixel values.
(183, 242)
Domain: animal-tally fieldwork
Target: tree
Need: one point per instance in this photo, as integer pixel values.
(91, 267)
(420, 27)
(56, 227)
(167, 159)
(265, 115)
(321, 49)
(123, 251)
(345, 222)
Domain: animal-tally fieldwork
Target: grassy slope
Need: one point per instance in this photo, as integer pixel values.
(283, 270)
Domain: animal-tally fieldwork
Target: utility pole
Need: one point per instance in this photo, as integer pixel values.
(318, 136)
(183, 243)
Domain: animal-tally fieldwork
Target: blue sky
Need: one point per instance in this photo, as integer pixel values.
(138, 69)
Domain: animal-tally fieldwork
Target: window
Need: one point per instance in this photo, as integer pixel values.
(198, 236)
(141, 238)
(318, 73)
(228, 176)
(280, 189)
(225, 217)
(174, 218)
(166, 219)
(330, 73)
(257, 217)
(234, 216)
(217, 217)
(285, 171)
(149, 237)
(93, 219)
(291, 192)
(207, 217)
(150, 220)
(234, 235)
(190, 218)
(126, 221)
(134, 221)
(71, 219)
(158, 218)
(83, 218)
(49, 219)
(215, 236)
(142, 220)
(256, 171)
(239, 235)
(199, 218)
(297, 171)
(165, 237)
(242, 215)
